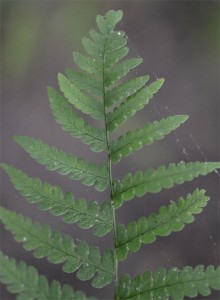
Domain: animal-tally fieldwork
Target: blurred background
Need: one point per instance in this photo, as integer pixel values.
(178, 40)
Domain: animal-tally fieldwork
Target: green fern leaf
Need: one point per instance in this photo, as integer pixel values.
(152, 181)
(65, 164)
(130, 106)
(85, 82)
(171, 218)
(172, 284)
(86, 214)
(135, 140)
(91, 48)
(60, 249)
(81, 101)
(99, 90)
(30, 285)
(124, 90)
(88, 64)
(75, 125)
(120, 70)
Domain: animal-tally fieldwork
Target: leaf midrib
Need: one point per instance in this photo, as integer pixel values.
(163, 223)
(61, 250)
(77, 168)
(154, 179)
(86, 125)
(71, 208)
(172, 284)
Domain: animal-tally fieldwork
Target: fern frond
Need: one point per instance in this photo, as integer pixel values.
(152, 181)
(76, 126)
(60, 249)
(80, 100)
(125, 90)
(134, 140)
(65, 164)
(120, 70)
(86, 214)
(133, 104)
(172, 284)
(85, 82)
(30, 285)
(171, 218)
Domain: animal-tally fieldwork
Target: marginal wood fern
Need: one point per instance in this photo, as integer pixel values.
(101, 91)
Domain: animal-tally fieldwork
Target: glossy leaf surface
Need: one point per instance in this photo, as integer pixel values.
(30, 285)
(87, 261)
(173, 284)
(171, 218)
(153, 181)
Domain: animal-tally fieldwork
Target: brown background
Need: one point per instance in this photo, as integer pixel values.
(178, 40)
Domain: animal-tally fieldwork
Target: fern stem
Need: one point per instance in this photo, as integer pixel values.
(109, 166)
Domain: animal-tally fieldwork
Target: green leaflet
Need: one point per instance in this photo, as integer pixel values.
(60, 249)
(87, 64)
(65, 164)
(30, 285)
(152, 181)
(81, 101)
(120, 70)
(91, 47)
(172, 284)
(85, 214)
(85, 82)
(130, 106)
(171, 218)
(112, 58)
(76, 126)
(124, 90)
(134, 140)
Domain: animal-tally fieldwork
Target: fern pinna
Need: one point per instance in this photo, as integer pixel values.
(99, 92)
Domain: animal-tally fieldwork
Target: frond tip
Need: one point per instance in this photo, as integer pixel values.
(30, 285)
(172, 284)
